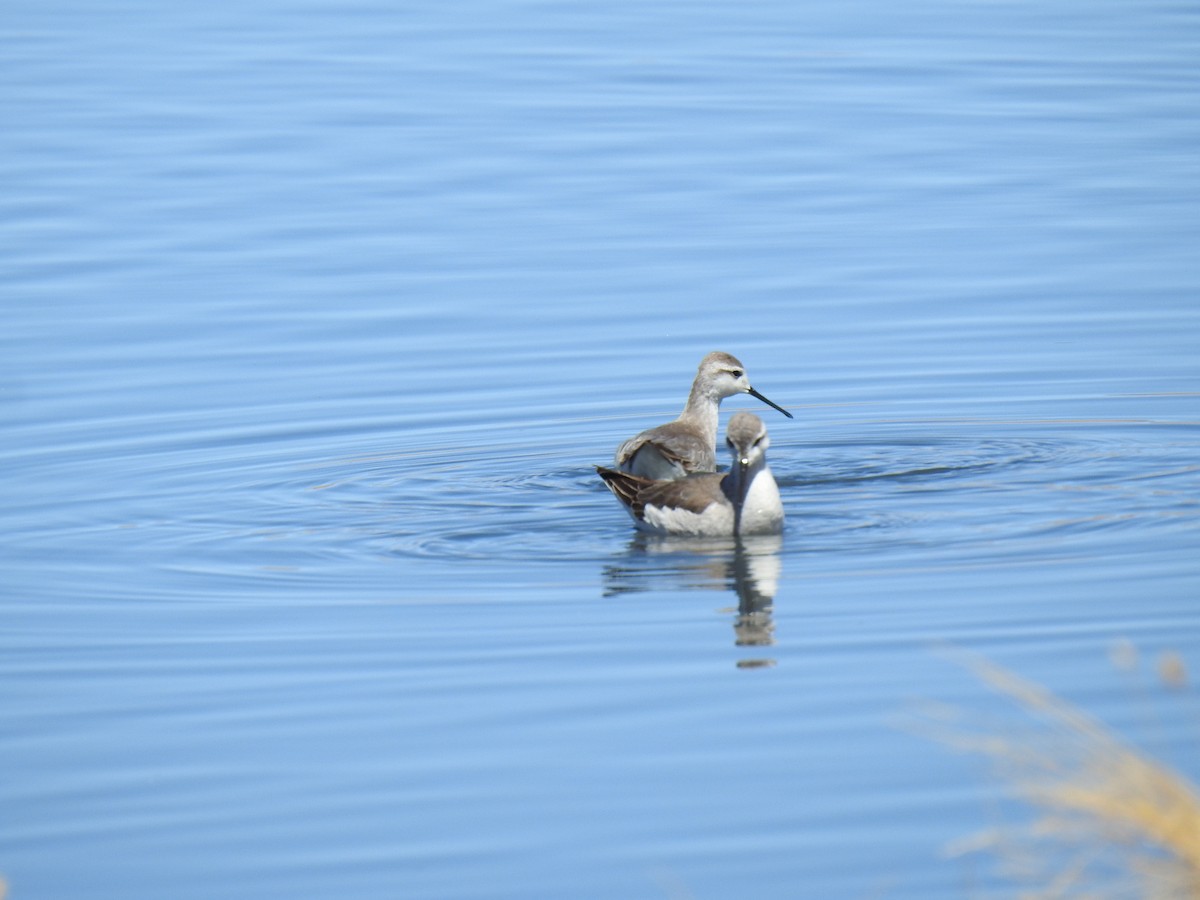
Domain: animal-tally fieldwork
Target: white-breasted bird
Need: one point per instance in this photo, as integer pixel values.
(743, 501)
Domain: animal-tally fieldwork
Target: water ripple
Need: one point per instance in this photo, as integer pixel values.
(982, 497)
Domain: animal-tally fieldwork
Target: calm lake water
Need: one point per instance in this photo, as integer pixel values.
(317, 317)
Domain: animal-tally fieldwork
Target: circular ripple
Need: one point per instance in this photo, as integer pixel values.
(903, 489)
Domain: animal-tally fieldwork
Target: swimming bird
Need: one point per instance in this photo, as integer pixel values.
(745, 500)
(689, 444)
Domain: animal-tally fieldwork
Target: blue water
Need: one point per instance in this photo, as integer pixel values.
(317, 317)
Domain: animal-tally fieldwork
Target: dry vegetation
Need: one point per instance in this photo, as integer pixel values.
(1111, 821)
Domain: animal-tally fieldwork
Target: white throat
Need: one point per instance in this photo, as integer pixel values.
(762, 508)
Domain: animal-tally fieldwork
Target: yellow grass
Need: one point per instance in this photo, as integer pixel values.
(1113, 822)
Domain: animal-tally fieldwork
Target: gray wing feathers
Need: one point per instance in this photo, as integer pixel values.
(666, 452)
(696, 493)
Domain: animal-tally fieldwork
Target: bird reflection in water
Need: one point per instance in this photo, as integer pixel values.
(749, 566)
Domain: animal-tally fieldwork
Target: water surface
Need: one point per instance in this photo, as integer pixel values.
(318, 317)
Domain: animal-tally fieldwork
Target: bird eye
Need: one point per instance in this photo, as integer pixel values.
(737, 373)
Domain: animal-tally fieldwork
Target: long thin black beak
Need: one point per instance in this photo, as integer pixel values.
(741, 470)
(753, 393)
(743, 467)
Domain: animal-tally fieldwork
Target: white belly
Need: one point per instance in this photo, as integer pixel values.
(762, 513)
(715, 521)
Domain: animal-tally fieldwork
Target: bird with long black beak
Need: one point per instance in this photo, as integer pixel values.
(743, 501)
(689, 444)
